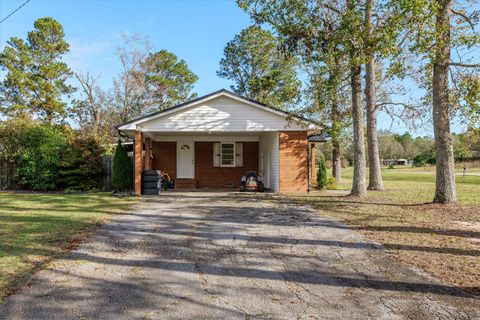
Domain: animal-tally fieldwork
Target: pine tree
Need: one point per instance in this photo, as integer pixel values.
(36, 77)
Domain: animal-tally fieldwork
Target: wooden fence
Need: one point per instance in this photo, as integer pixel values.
(107, 164)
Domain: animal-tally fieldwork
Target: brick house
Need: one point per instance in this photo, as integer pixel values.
(210, 142)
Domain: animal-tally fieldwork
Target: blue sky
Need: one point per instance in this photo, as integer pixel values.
(195, 31)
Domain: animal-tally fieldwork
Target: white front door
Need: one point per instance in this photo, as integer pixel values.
(185, 159)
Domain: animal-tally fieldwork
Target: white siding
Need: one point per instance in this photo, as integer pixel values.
(268, 148)
(220, 114)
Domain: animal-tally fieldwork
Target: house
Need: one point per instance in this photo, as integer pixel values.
(210, 142)
(396, 162)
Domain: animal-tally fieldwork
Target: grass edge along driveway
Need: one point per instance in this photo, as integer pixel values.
(36, 228)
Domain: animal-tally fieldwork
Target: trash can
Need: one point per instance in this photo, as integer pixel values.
(151, 182)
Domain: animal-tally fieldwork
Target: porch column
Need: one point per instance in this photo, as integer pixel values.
(138, 163)
(312, 163)
(148, 159)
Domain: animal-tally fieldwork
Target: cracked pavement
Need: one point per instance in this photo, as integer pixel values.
(202, 255)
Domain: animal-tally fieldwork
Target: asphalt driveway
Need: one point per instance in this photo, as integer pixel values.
(232, 256)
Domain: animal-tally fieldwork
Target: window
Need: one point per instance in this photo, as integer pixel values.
(227, 154)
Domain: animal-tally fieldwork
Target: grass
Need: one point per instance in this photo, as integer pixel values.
(442, 240)
(35, 228)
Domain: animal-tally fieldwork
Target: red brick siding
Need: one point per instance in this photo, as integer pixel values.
(292, 161)
(137, 185)
(165, 157)
(218, 177)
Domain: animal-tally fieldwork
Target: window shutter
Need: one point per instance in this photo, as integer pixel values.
(216, 154)
(239, 154)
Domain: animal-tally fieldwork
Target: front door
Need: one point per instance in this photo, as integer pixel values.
(185, 160)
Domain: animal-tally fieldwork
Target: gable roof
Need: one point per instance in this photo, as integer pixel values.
(222, 92)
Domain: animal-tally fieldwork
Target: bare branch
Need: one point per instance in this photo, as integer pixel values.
(465, 17)
(465, 65)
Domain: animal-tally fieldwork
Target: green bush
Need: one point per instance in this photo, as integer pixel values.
(331, 183)
(80, 166)
(322, 172)
(122, 169)
(38, 155)
(427, 157)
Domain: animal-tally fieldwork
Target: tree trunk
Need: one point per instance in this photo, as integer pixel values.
(359, 187)
(445, 170)
(336, 160)
(375, 181)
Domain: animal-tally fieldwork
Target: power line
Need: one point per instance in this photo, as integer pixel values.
(15, 10)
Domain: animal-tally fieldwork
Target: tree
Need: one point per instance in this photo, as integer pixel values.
(445, 191)
(322, 172)
(327, 90)
(36, 77)
(149, 81)
(80, 165)
(122, 169)
(306, 28)
(129, 88)
(36, 165)
(169, 80)
(433, 33)
(353, 43)
(375, 181)
(92, 110)
(259, 69)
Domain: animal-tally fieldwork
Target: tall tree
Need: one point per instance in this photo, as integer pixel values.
(328, 88)
(260, 69)
(169, 80)
(36, 76)
(129, 88)
(352, 27)
(312, 29)
(375, 181)
(92, 110)
(445, 191)
(433, 34)
(149, 81)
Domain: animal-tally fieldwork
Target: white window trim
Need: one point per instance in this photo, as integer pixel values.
(234, 154)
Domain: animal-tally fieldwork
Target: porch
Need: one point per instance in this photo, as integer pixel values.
(206, 161)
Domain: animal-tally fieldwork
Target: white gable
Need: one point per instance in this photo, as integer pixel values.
(221, 113)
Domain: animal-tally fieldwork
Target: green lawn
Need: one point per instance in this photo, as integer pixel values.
(419, 187)
(38, 227)
(442, 240)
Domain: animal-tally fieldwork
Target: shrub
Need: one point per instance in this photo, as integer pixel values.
(80, 165)
(322, 172)
(331, 183)
(38, 153)
(122, 169)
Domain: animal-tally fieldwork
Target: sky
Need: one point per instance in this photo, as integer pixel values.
(196, 31)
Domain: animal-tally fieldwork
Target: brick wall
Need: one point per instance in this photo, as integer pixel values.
(217, 177)
(292, 161)
(165, 157)
(138, 163)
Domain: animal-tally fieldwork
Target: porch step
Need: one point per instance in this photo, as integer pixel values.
(185, 184)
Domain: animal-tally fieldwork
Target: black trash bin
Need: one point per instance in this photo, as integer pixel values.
(151, 182)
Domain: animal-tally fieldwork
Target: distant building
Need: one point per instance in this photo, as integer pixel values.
(397, 162)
